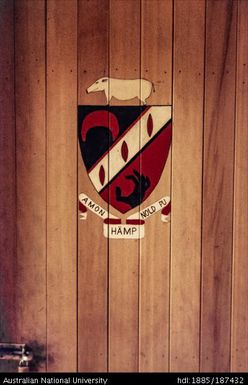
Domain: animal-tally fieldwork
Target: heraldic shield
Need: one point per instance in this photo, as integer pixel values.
(124, 149)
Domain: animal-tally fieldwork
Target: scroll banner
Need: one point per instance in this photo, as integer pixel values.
(134, 228)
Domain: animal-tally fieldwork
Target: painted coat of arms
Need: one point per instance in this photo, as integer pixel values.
(124, 150)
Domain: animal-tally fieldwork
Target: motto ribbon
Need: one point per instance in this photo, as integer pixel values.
(134, 227)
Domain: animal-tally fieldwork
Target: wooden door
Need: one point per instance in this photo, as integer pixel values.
(174, 300)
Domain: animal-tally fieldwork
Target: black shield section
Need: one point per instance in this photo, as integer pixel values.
(99, 139)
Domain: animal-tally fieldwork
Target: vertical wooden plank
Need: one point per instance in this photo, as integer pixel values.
(124, 63)
(92, 246)
(186, 184)
(240, 239)
(218, 185)
(156, 66)
(62, 185)
(7, 177)
(93, 25)
(31, 175)
(156, 48)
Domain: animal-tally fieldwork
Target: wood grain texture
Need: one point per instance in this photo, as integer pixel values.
(93, 26)
(239, 351)
(62, 185)
(218, 185)
(177, 300)
(7, 176)
(156, 66)
(31, 175)
(156, 48)
(92, 246)
(186, 184)
(124, 63)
